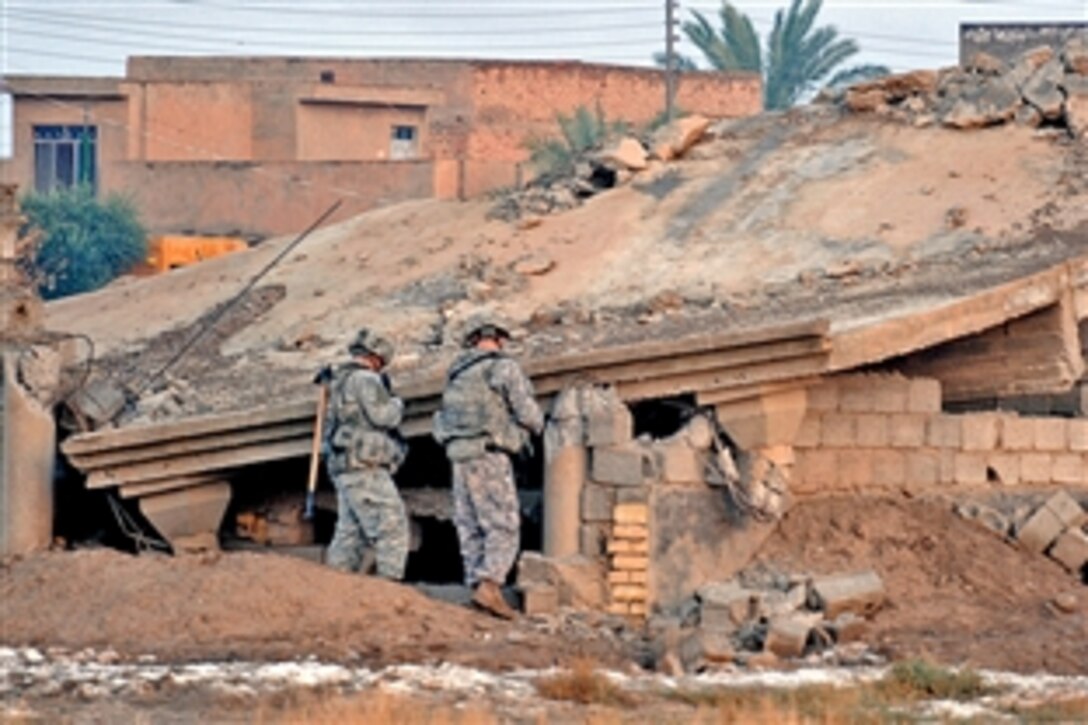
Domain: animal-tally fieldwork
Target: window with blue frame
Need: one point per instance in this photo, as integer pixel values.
(65, 156)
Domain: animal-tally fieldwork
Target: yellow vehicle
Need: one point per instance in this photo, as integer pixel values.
(171, 251)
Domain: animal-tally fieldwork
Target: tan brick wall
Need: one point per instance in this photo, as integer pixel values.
(887, 431)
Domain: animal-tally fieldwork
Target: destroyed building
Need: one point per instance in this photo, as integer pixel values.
(864, 296)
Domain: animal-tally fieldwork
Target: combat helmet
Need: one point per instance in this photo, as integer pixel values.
(368, 342)
(485, 325)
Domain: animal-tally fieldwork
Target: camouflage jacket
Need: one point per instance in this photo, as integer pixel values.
(488, 403)
(361, 422)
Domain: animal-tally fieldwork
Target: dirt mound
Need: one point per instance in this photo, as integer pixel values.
(251, 606)
(958, 593)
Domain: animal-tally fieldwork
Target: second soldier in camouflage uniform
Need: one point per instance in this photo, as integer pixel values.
(488, 411)
(363, 450)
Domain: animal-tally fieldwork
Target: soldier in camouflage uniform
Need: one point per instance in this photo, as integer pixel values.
(363, 450)
(488, 411)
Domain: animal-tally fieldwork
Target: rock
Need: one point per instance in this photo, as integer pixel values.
(762, 660)
(955, 217)
(674, 139)
(1028, 64)
(848, 627)
(727, 605)
(1067, 603)
(627, 153)
(1041, 90)
(994, 101)
(1028, 116)
(703, 647)
(539, 599)
(895, 88)
(700, 433)
(577, 579)
(1071, 551)
(1076, 114)
(788, 636)
(865, 101)
(534, 264)
(986, 64)
(861, 593)
(1075, 54)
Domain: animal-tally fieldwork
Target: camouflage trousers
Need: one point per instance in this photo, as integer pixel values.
(370, 511)
(485, 512)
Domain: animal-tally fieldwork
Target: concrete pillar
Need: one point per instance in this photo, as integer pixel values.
(27, 452)
(565, 462)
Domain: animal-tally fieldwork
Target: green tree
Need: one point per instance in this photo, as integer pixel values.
(580, 132)
(85, 242)
(798, 56)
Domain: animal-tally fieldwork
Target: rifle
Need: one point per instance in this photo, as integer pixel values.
(322, 378)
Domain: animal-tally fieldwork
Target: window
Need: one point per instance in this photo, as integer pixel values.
(403, 144)
(65, 156)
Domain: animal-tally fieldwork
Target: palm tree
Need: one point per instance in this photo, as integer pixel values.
(798, 56)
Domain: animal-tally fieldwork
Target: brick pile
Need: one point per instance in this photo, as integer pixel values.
(629, 560)
(882, 431)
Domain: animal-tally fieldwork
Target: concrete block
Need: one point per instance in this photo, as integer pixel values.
(1051, 434)
(631, 531)
(861, 593)
(856, 397)
(944, 431)
(680, 463)
(980, 432)
(1069, 512)
(608, 424)
(824, 398)
(1078, 434)
(855, 470)
(838, 430)
(618, 466)
(787, 636)
(597, 502)
(631, 513)
(1035, 467)
(1017, 434)
(872, 431)
(630, 562)
(924, 396)
(1003, 467)
(890, 395)
(1040, 531)
(848, 627)
(539, 600)
(948, 465)
(592, 539)
(923, 468)
(970, 468)
(889, 468)
(1071, 550)
(1067, 468)
(815, 470)
(907, 431)
(628, 593)
(808, 435)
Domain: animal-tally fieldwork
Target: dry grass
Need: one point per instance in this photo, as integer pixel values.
(584, 685)
(1073, 710)
(370, 709)
(920, 679)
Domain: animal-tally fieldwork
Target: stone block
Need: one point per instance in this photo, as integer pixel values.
(970, 468)
(944, 431)
(631, 513)
(538, 599)
(848, 627)
(633, 494)
(618, 466)
(890, 394)
(608, 423)
(907, 431)
(1017, 434)
(1035, 467)
(628, 593)
(787, 636)
(630, 562)
(924, 396)
(808, 435)
(592, 539)
(631, 531)
(1078, 434)
(855, 469)
(923, 468)
(1003, 467)
(857, 397)
(872, 431)
(1040, 531)
(948, 465)
(703, 647)
(1069, 512)
(889, 468)
(578, 579)
(1067, 468)
(680, 463)
(1051, 434)
(980, 432)
(824, 398)
(727, 605)
(597, 502)
(534, 569)
(861, 593)
(838, 430)
(1071, 550)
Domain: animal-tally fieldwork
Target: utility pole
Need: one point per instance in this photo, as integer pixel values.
(671, 6)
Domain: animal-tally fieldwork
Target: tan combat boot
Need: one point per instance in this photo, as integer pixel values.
(488, 597)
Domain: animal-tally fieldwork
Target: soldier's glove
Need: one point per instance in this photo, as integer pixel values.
(323, 376)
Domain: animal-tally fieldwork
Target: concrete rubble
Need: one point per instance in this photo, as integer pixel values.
(761, 617)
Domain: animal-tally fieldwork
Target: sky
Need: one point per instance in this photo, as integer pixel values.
(93, 37)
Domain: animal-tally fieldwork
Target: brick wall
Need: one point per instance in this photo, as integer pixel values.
(886, 431)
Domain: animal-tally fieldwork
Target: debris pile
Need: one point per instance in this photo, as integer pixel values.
(1058, 528)
(1041, 88)
(761, 617)
(617, 163)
